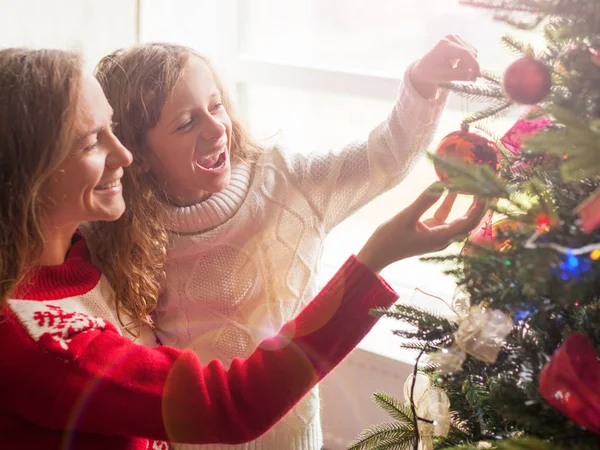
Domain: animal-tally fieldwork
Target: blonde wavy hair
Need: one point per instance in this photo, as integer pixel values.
(132, 251)
(39, 91)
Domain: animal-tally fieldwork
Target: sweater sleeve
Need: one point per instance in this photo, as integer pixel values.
(338, 183)
(100, 382)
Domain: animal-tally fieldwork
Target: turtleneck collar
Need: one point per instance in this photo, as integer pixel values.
(216, 209)
(76, 276)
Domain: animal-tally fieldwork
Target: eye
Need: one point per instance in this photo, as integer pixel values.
(91, 146)
(185, 125)
(218, 106)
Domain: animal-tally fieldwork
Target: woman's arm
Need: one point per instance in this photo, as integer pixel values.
(113, 386)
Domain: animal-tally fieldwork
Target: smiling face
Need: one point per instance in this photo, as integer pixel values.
(189, 148)
(86, 186)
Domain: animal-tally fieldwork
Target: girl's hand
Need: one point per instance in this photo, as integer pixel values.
(452, 59)
(405, 235)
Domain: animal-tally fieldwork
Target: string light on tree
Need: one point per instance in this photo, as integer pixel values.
(573, 267)
(543, 223)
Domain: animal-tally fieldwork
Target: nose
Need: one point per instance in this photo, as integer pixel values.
(118, 155)
(212, 128)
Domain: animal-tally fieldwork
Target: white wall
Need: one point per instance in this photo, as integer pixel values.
(185, 22)
(207, 26)
(347, 405)
(95, 27)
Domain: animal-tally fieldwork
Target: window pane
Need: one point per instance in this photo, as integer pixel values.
(376, 35)
(307, 122)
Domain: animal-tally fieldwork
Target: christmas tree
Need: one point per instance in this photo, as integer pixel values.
(517, 366)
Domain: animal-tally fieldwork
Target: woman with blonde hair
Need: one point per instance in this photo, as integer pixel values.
(239, 229)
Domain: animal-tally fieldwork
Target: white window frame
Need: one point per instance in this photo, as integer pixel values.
(239, 69)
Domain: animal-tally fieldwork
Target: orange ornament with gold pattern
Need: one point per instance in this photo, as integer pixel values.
(492, 233)
(502, 225)
(468, 148)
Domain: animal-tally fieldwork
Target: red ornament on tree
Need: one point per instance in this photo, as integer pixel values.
(570, 381)
(527, 80)
(589, 212)
(466, 147)
(595, 56)
(526, 126)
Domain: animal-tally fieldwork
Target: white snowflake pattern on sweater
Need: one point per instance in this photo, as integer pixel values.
(54, 321)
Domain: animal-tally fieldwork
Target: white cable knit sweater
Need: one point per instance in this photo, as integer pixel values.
(244, 261)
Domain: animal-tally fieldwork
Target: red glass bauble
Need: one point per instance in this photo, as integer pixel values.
(570, 381)
(469, 148)
(527, 81)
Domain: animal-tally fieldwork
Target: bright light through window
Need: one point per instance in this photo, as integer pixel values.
(375, 35)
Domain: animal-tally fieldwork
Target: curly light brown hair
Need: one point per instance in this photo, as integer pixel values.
(39, 91)
(132, 251)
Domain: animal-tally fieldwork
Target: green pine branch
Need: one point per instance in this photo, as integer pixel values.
(478, 180)
(455, 437)
(586, 10)
(435, 337)
(493, 111)
(491, 77)
(441, 259)
(410, 314)
(474, 91)
(516, 21)
(514, 46)
(396, 409)
(524, 443)
(390, 435)
(500, 5)
(518, 443)
(426, 326)
(416, 345)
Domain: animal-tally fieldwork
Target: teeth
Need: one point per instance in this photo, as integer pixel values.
(110, 185)
(213, 154)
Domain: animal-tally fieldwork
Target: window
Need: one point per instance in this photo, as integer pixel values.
(326, 71)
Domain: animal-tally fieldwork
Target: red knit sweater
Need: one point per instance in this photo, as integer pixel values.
(69, 380)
